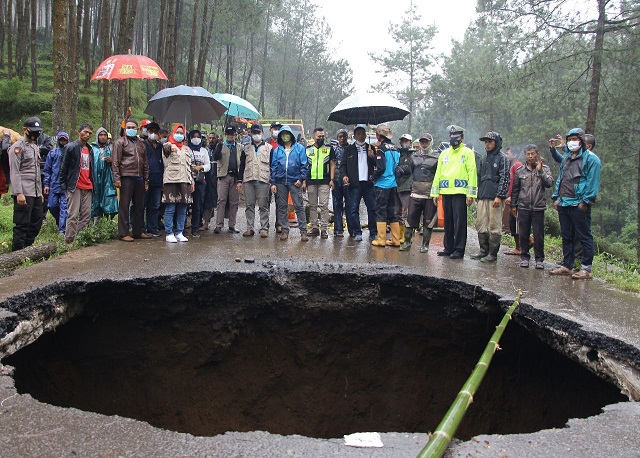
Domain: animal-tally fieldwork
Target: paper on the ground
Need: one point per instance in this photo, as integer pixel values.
(363, 440)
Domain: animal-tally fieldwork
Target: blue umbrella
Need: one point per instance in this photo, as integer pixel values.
(238, 106)
(188, 104)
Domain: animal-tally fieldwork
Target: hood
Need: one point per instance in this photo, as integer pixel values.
(61, 134)
(173, 131)
(100, 129)
(286, 129)
(498, 145)
(190, 136)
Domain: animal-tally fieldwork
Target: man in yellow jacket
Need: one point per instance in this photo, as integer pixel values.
(456, 180)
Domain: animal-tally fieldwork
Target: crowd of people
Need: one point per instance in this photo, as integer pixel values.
(150, 177)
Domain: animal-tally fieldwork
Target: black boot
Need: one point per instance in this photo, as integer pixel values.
(426, 238)
(494, 247)
(483, 240)
(408, 235)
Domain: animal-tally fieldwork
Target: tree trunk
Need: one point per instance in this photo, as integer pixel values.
(191, 76)
(105, 31)
(60, 65)
(75, 13)
(3, 21)
(86, 42)
(9, 31)
(219, 69)
(170, 45)
(12, 260)
(596, 74)
(638, 211)
(34, 72)
(265, 49)
(204, 48)
(249, 72)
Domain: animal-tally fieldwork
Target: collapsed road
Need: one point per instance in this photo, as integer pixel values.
(147, 349)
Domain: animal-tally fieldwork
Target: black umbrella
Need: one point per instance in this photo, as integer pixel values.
(371, 108)
(187, 104)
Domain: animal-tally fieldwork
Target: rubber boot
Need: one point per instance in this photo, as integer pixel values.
(382, 235)
(395, 235)
(426, 238)
(408, 235)
(494, 247)
(483, 240)
(403, 232)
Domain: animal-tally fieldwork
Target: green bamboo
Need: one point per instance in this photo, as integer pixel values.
(441, 437)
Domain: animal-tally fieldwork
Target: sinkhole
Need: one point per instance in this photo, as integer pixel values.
(309, 353)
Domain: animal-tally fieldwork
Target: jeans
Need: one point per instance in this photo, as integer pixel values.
(364, 191)
(282, 204)
(180, 211)
(573, 219)
(152, 200)
(342, 206)
(197, 207)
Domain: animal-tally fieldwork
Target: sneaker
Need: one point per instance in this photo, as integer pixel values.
(195, 234)
(248, 233)
(264, 234)
(171, 238)
(539, 265)
(358, 237)
(562, 270)
(154, 233)
(338, 234)
(233, 230)
(314, 232)
(324, 234)
(217, 230)
(181, 238)
(304, 237)
(284, 235)
(582, 275)
(524, 263)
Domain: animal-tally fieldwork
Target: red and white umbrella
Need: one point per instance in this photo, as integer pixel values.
(128, 66)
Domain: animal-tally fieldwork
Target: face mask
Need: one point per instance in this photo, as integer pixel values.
(33, 134)
(153, 137)
(178, 137)
(359, 143)
(274, 134)
(196, 141)
(131, 132)
(573, 145)
(405, 145)
(320, 141)
(286, 138)
(256, 138)
(144, 131)
(163, 140)
(455, 143)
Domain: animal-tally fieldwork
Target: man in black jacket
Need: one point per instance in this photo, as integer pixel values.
(76, 179)
(357, 172)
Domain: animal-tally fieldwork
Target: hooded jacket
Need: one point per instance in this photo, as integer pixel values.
(52, 166)
(387, 159)
(493, 174)
(287, 169)
(70, 165)
(105, 197)
(586, 190)
(177, 158)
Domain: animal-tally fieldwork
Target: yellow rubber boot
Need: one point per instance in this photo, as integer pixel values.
(382, 235)
(395, 235)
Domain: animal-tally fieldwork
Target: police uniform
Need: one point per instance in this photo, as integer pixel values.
(24, 165)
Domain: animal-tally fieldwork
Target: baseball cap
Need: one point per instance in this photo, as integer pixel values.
(33, 123)
(490, 136)
(406, 137)
(277, 124)
(256, 127)
(153, 125)
(426, 136)
(230, 130)
(360, 126)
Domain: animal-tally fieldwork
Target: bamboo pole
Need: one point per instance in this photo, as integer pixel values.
(441, 437)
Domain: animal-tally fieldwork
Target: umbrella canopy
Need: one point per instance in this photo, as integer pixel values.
(371, 108)
(128, 66)
(238, 106)
(188, 104)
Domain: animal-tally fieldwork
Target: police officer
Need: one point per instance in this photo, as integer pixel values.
(26, 185)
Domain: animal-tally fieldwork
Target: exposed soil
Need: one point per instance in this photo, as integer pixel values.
(319, 355)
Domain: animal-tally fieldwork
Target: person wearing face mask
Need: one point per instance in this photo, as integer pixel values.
(144, 128)
(575, 192)
(274, 129)
(200, 166)
(356, 170)
(289, 168)
(255, 172)
(227, 157)
(153, 194)
(26, 185)
(403, 191)
(55, 195)
(456, 180)
(493, 190)
(211, 191)
(384, 174)
(130, 168)
(319, 182)
(178, 184)
(105, 199)
(341, 196)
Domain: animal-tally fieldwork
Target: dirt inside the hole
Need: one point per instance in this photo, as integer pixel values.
(307, 353)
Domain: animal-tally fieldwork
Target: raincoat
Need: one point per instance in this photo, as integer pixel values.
(105, 200)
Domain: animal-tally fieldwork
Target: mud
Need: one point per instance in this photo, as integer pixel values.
(310, 353)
